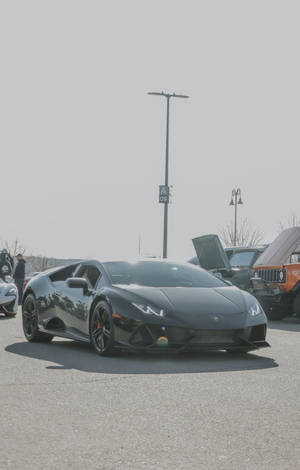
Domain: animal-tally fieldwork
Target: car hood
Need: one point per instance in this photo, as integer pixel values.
(192, 305)
(282, 247)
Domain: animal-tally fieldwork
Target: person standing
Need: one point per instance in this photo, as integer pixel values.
(19, 275)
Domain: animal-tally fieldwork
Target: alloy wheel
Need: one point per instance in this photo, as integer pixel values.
(29, 317)
(101, 329)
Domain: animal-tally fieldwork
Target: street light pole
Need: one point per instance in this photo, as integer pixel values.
(234, 202)
(164, 190)
(166, 204)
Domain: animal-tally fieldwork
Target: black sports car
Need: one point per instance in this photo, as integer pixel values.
(142, 305)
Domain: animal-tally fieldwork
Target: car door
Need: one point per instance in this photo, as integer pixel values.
(78, 301)
(211, 254)
(58, 294)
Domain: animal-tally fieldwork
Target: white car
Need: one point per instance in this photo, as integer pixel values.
(8, 297)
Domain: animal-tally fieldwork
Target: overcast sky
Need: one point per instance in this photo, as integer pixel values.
(82, 144)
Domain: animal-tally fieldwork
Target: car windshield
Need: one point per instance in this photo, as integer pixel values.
(160, 274)
(242, 258)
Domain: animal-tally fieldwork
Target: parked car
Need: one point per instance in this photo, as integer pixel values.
(144, 305)
(277, 275)
(234, 264)
(8, 297)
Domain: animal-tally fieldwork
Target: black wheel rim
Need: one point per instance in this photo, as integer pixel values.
(29, 317)
(101, 329)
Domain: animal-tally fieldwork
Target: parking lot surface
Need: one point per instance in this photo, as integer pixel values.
(64, 407)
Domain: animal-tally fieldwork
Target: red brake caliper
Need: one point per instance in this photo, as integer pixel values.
(98, 326)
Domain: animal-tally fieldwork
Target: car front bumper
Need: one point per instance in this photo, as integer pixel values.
(8, 303)
(156, 338)
(269, 295)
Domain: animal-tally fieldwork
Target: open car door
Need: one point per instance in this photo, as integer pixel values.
(211, 254)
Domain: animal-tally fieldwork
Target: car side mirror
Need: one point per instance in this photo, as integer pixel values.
(78, 283)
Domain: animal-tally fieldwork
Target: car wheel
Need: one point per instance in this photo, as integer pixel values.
(102, 329)
(296, 305)
(30, 321)
(238, 351)
(10, 314)
(276, 313)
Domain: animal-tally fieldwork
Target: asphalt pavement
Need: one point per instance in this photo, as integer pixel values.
(63, 407)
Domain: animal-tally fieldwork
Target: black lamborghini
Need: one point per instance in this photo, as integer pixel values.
(143, 305)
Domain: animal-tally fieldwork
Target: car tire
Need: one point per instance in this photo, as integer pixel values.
(276, 313)
(10, 314)
(296, 305)
(102, 329)
(30, 321)
(239, 351)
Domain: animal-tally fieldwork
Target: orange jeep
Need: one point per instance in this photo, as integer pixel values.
(276, 281)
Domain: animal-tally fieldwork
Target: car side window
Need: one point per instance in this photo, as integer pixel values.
(93, 275)
(101, 282)
(242, 258)
(90, 273)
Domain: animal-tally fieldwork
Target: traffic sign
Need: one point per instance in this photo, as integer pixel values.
(164, 194)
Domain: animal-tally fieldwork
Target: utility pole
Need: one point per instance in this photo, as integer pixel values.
(235, 193)
(140, 245)
(164, 190)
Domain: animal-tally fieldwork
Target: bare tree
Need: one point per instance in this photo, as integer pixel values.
(37, 263)
(246, 235)
(291, 221)
(42, 263)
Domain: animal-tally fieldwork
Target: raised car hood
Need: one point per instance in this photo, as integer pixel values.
(210, 253)
(282, 247)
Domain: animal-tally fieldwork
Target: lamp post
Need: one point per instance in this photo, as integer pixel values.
(164, 190)
(235, 194)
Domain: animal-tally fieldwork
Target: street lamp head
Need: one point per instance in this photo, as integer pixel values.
(239, 193)
(235, 193)
(180, 96)
(167, 95)
(156, 93)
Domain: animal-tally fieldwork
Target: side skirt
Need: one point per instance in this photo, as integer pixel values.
(69, 333)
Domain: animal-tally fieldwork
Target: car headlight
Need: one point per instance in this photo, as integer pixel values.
(149, 310)
(11, 291)
(255, 309)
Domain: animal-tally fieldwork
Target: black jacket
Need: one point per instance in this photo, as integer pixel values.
(20, 270)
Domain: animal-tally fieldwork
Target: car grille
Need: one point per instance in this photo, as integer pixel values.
(214, 336)
(271, 275)
(183, 335)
